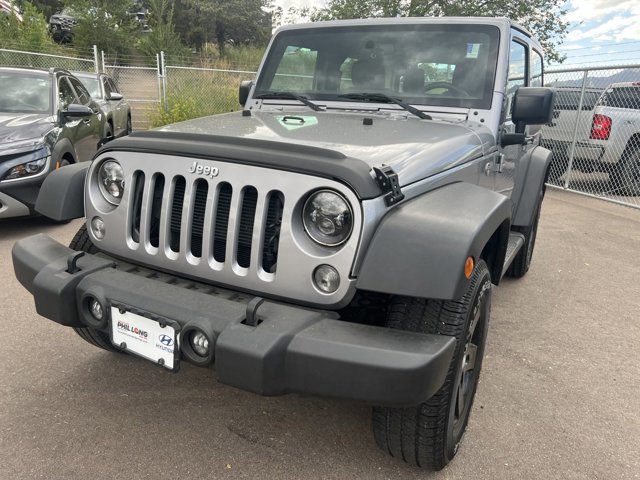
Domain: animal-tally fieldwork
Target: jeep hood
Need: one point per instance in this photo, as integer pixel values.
(414, 148)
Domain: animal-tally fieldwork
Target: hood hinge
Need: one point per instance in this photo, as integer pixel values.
(388, 181)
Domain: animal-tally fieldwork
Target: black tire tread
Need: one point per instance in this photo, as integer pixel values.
(417, 434)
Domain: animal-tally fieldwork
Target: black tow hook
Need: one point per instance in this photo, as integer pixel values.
(252, 312)
(72, 262)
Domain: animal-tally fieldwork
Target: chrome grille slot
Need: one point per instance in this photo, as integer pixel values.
(275, 207)
(201, 188)
(136, 206)
(222, 222)
(245, 229)
(156, 209)
(176, 213)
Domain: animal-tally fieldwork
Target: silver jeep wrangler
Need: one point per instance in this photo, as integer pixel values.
(340, 236)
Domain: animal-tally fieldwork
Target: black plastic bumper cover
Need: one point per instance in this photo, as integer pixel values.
(292, 349)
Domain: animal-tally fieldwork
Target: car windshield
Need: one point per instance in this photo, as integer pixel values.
(424, 64)
(24, 93)
(92, 85)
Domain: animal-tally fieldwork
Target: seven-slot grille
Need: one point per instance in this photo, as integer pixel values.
(196, 219)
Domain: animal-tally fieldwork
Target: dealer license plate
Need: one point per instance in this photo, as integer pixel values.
(145, 337)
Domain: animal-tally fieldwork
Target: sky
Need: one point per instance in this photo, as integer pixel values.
(601, 32)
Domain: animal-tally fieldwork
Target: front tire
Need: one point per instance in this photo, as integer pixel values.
(428, 435)
(82, 243)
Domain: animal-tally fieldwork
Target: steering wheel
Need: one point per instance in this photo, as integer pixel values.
(446, 85)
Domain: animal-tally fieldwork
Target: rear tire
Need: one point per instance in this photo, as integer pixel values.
(82, 243)
(625, 176)
(428, 435)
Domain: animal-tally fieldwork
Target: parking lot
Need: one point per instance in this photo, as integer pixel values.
(559, 396)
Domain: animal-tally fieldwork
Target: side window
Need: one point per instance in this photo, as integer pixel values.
(83, 95)
(536, 70)
(107, 87)
(66, 95)
(517, 77)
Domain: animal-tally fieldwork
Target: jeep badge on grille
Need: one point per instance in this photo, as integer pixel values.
(203, 170)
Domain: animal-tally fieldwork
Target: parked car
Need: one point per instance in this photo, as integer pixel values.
(115, 108)
(47, 120)
(339, 237)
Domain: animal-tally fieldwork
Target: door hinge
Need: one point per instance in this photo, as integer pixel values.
(498, 163)
(388, 181)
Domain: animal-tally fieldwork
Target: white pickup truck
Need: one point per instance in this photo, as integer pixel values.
(611, 145)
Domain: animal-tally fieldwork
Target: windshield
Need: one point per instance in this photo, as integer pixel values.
(24, 93)
(441, 65)
(93, 85)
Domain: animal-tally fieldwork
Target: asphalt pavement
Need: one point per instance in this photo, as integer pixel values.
(559, 395)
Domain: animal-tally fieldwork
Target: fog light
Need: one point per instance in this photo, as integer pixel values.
(199, 343)
(96, 309)
(326, 278)
(97, 228)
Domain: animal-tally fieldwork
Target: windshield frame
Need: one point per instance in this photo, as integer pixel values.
(292, 37)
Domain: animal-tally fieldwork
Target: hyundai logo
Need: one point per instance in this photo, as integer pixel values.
(165, 340)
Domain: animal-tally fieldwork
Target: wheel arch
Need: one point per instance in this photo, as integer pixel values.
(532, 175)
(420, 247)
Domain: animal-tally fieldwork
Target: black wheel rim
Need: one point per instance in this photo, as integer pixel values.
(469, 370)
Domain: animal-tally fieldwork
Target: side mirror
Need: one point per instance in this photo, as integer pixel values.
(243, 92)
(76, 111)
(532, 106)
(115, 96)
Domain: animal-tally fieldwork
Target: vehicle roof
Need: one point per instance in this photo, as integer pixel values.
(43, 71)
(498, 21)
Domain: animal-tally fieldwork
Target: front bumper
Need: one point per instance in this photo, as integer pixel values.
(292, 349)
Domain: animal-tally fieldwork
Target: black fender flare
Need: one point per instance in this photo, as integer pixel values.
(61, 196)
(533, 171)
(421, 246)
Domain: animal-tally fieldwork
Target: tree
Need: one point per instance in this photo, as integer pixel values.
(163, 36)
(542, 17)
(104, 23)
(32, 33)
(222, 21)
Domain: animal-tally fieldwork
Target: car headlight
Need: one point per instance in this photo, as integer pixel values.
(328, 218)
(111, 181)
(28, 169)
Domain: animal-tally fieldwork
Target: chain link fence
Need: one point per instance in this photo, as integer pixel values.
(18, 58)
(205, 91)
(595, 132)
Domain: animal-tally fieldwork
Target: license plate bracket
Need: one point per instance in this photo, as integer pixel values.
(147, 335)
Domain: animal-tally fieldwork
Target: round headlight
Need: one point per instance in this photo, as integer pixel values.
(327, 218)
(111, 181)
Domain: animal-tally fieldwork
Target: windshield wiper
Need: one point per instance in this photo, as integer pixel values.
(381, 97)
(289, 96)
